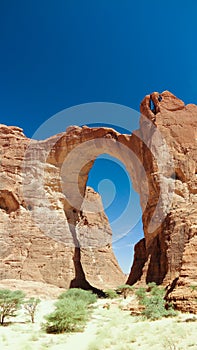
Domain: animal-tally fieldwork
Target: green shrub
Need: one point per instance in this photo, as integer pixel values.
(141, 295)
(79, 294)
(72, 311)
(69, 316)
(155, 306)
(30, 306)
(10, 302)
(193, 287)
(125, 289)
(111, 294)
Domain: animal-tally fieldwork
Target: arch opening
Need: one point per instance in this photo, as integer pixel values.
(95, 240)
(110, 178)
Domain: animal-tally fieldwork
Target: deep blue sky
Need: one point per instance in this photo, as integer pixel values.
(59, 53)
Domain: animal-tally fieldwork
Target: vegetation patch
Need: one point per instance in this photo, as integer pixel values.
(155, 306)
(10, 302)
(111, 294)
(125, 289)
(71, 313)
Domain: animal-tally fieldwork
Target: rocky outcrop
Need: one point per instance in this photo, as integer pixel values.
(139, 262)
(36, 228)
(32, 289)
(53, 228)
(171, 254)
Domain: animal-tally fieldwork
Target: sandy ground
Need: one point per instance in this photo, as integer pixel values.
(22, 335)
(111, 329)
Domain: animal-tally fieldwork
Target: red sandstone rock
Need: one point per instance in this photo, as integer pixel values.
(50, 233)
(172, 254)
(37, 242)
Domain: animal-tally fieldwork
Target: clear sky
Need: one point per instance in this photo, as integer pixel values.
(60, 53)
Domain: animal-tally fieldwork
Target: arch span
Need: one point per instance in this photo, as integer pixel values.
(75, 159)
(150, 155)
(41, 231)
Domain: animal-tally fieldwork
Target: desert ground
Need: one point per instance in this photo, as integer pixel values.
(113, 329)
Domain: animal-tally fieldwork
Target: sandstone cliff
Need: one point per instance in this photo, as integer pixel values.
(37, 241)
(53, 228)
(169, 253)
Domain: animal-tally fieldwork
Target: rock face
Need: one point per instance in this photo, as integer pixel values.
(37, 241)
(171, 254)
(53, 228)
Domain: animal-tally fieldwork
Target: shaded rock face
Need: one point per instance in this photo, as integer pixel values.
(139, 261)
(53, 228)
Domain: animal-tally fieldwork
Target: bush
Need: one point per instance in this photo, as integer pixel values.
(193, 287)
(69, 316)
(141, 295)
(111, 294)
(155, 307)
(79, 294)
(10, 302)
(125, 289)
(31, 306)
(72, 311)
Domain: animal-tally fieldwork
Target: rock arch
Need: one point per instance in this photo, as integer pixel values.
(160, 256)
(169, 221)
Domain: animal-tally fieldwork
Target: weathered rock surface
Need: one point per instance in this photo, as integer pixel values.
(53, 228)
(172, 253)
(37, 242)
(33, 288)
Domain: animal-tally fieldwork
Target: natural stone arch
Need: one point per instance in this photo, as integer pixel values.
(167, 255)
(92, 143)
(160, 263)
(76, 160)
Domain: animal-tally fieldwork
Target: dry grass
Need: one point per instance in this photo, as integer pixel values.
(111, 329)
(120, 331)
(20, 335)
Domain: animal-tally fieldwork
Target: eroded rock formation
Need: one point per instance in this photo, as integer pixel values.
(53, 228)
(36, 230)
(171, 256)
